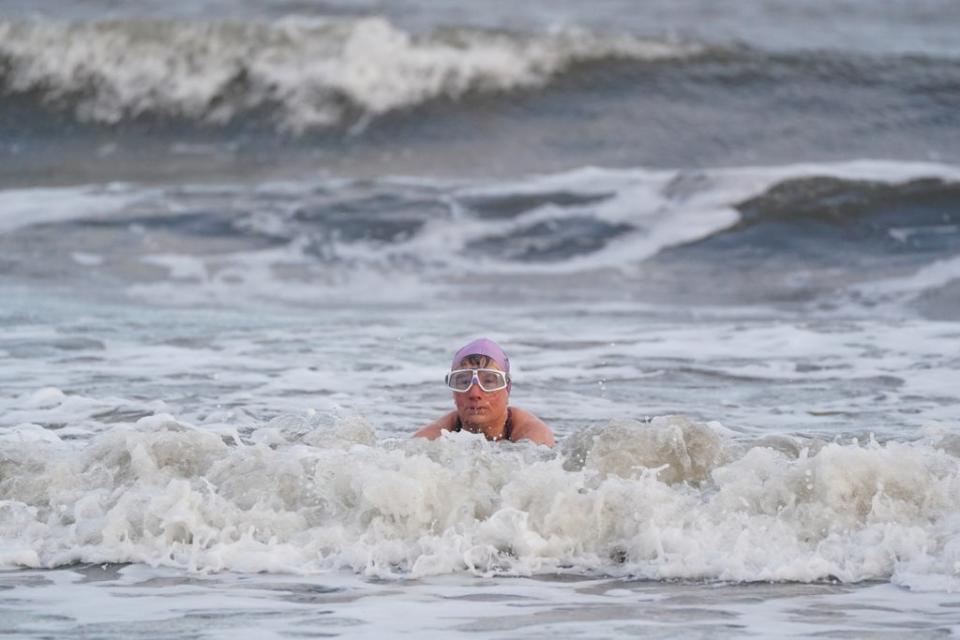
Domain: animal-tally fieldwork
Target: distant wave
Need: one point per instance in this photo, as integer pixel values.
(836, 225)
(302, 73)
(595, 218)
(918, 215)
(546, 219)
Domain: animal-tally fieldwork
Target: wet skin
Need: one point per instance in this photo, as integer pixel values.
(485, 412)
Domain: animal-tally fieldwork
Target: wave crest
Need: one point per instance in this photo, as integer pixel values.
(168, 494)
(303, 73)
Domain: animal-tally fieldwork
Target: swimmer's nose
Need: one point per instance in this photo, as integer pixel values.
(475, 391)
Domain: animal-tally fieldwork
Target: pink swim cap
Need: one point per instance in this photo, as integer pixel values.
(483, 347)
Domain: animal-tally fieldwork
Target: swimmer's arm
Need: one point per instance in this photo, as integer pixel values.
(527, 426)
(433, 430)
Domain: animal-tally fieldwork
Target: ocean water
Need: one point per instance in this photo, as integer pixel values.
(239, 244)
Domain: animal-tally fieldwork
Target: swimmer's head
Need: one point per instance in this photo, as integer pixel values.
(480, 353)
(482, 347)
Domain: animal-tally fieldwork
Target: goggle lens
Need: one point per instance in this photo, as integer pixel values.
(488, 379)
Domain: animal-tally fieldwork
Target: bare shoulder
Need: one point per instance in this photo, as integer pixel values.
(527, 426)
(433, 430)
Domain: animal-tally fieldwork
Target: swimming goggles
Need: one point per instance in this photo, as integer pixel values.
(489, 380)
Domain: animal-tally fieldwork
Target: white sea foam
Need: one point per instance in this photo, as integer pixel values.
(574, 366)
(669, 208)
(690, 503)
(314, 71)
(25, 207)
(28, 433)
(87, 259)
(938, 274)
(663, 209)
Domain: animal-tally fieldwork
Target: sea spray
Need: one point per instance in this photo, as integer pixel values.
(311, 73)
(695, 504)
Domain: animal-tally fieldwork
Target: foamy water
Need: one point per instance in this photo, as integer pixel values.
(665, 499)
(826, 455)
(320, 72)
(325, 240)
(236, 605)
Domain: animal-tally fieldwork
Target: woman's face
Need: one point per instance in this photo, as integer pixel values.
(477, 408)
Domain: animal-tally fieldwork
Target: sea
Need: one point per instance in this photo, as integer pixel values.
(240, 242)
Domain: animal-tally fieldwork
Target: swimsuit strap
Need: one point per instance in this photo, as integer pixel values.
(507, 426)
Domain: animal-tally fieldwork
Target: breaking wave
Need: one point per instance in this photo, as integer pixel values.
(668, 499)
(298, 73)
(840, 227)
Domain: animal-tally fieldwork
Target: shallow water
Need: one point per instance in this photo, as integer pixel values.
(170, 605)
